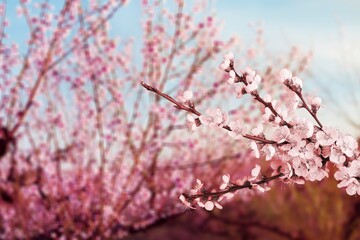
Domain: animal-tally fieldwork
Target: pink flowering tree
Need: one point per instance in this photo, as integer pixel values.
(83, 152)
(298, 148)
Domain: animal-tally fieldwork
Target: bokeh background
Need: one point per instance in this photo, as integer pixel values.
(328, 33)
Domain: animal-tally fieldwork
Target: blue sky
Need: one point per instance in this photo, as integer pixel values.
(330, 28)
(320, 25)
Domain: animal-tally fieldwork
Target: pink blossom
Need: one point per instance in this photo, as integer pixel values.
(226, 180)
(231, 80)
(198, 186)
(238, 129)
(258, 130)
(185, 202)
(316, 173)
(292, 102)
(266, 116)
(315, 104)
(249, 74)
(269, 151)
(227, 196)
(255, 149)
(349, 177)
(336, 155)
(225, 65)
(284, 75)
(188, 95)
(215, 117)
(228, 58)
(327, 136)
(281, 134)
(303, 150)
(209, 205)
(191, 123)
(290, 170)
(232, 74)
(254, 175)
(296, 82)
(326, 151)
(348, 145)
(267, 98)
(253, 83)
(300, 168)
(282, 166)
(255, 172)
(239, 90)
(303, 129)
(262, 189)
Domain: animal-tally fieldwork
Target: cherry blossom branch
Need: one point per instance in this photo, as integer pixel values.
(306, 106)
(233, 188)
(242, 78)
(302, 148)
(191, 109)
(177, 104)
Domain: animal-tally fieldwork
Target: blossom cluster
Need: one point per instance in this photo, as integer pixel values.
(299, 149)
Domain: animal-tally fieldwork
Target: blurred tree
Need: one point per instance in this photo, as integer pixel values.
(83, 153)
